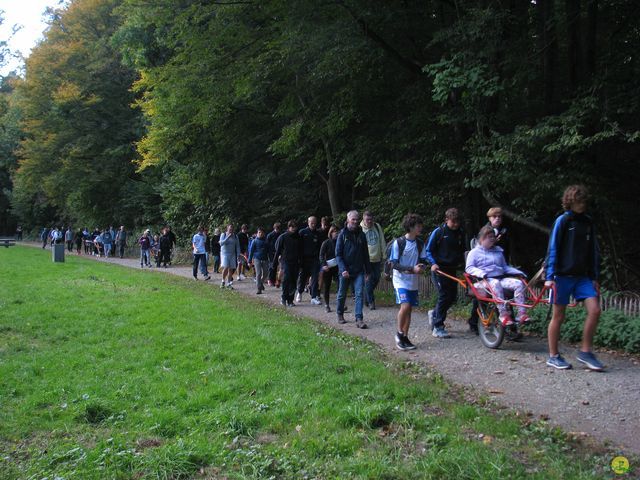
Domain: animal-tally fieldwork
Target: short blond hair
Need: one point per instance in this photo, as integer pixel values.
(494, 212)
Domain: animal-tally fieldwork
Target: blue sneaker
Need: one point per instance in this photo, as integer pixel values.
(440, 332)
(558, 362)
(590, 360)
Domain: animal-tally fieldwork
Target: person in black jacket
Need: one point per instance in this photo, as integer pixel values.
(215, 250)
(243, 238)
(445, 252)
(328, 264)
(289, 251)
(275, 276)
(352, 254)
(164, 256)
(173, 240)
(310, 257)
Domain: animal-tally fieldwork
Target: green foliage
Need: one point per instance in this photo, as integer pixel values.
(615, 330)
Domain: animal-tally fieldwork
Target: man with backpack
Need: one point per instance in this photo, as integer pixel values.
(445, 252)
(354, 267)
(288, 254)
(310, 268)
(376, 245)
(408, 260)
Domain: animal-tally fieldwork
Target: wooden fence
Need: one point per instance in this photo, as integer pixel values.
(625, 302)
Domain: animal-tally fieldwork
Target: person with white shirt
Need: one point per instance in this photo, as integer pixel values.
(409, 258)
(199, 253)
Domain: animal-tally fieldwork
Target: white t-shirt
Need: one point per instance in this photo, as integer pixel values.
(408, 281)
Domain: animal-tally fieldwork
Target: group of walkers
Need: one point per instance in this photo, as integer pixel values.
(311, 258)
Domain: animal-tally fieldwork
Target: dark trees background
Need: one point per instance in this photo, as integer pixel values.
(145, 111)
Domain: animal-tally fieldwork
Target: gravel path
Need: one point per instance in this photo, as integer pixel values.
(603, 406)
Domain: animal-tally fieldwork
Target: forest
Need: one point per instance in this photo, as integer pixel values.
(146, 112)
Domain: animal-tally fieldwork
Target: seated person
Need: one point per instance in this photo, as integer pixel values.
(487, 261)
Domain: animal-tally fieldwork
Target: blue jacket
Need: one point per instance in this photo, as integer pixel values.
(259, 249)
(446, 247)
(352, 252)
(573, 247)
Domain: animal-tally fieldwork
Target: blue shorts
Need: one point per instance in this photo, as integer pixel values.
(407, 296)
(579, 287)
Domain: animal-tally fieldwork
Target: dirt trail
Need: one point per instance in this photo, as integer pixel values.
(601, 405)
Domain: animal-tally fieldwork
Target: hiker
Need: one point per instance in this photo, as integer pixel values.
(259, 258)
(107, 241)
(353, 266)
(199, 254)
(445, 252)
(44, 237)
(164, 242)
(173, 240)
(243, 240)
(288, 254)
(503, 240)
(376, 245)
(145, 247)
(309, 269)
(408, 261)
(79, 240)
(275, 276)
(486, 262)
(328, 264)
(572, 268)
(121, 240)
(229, 253)
(215, 250)
(68, 239)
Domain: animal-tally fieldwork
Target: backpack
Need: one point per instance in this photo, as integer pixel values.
(402, 243)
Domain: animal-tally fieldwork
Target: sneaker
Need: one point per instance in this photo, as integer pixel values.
(241, 277)
(400, 342)
(298, 298)
(440, 332)
(316, 301)
(506, 320)
(327, 308)
(283, 303)
(222, 284)
(361, 324)
(291, 304)
(207, 278)
(259, 292)
(195, 278)
(558, 362)
(341, 319)
(524, 318)
(590, 360)
(372, 305)
(408, 344)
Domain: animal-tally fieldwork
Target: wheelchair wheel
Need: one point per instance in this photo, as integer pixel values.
(490, 329)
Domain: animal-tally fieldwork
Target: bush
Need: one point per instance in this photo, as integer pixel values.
(615, 329)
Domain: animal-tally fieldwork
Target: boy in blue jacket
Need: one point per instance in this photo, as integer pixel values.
(572, 267)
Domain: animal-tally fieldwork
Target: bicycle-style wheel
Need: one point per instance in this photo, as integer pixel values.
(490, 329)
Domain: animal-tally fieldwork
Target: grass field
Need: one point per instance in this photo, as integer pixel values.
(109, 372)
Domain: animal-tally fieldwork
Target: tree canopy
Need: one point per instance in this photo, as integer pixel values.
(145, 111)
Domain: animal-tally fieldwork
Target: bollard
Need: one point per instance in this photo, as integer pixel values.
(57, 252)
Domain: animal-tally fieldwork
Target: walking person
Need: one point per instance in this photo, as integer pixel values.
(145, 249)
(68, 239)
(275, 276)
(408, 260)
(229, 253)
(572, 268)
(78, 240)
(44, 237)
(243, 240)
(215, 250)
(199, 254)
(310, 261)
(445, 252)
(19, 233)
(354, 268)
(121, 241)
(377, 252)
(174, 242)
(164, 256)
(259, 258)
(288, 254)
(328, 264)
(107, 241)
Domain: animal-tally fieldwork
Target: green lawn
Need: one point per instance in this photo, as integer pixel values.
(109, 372)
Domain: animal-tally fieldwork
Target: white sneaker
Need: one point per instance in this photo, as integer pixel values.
(316, 301)
(241, 277)
(298, 297)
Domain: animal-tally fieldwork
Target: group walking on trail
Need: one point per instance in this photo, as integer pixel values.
(354, 256)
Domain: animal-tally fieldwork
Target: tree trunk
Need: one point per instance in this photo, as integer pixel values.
(591, 40)
(574, 47)
(332, 182)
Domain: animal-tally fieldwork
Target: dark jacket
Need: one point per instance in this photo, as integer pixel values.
(259, 249)
(215, 245)
(172, 238)
(352, 252)
(310, 243)
(573, 247)
(446, 247)
(327, 251)
(272, 238)
(243, 239)
(165, 243)
(289, 247)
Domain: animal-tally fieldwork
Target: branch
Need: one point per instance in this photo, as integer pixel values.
(516, 217)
